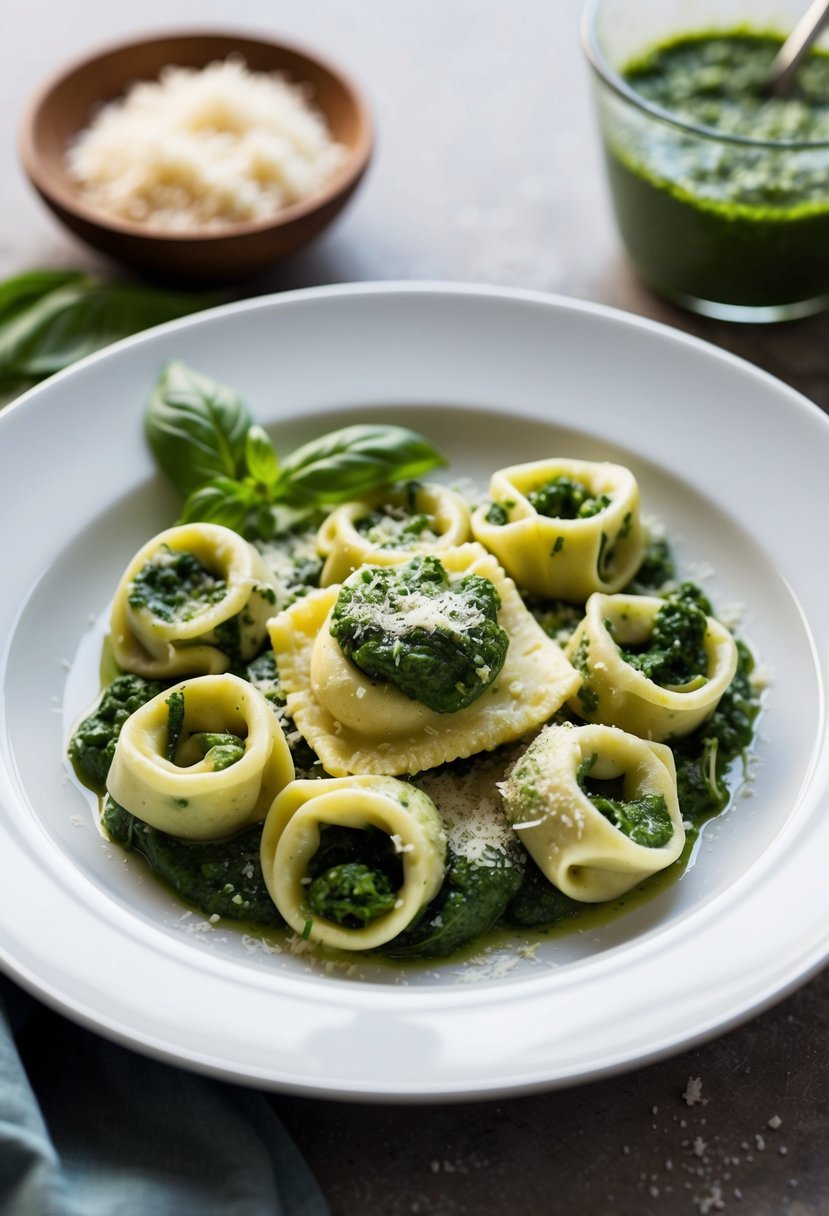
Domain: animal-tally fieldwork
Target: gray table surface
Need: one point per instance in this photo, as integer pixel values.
(488, 169)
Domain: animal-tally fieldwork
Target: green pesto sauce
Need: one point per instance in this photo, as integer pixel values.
(726, 222)
(217, 878)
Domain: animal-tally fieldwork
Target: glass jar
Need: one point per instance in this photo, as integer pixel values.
(726, 217)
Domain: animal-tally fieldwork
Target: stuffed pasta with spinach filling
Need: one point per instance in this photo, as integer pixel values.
(563, 528)
(201, 760)
(596, 808)
(352, 862)
(405, 624)
(390, 527)
(193, 601)
(654, 666)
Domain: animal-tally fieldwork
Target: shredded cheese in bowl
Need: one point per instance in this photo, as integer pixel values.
(201, 149)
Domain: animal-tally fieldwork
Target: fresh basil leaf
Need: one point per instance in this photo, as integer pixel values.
(196, 428)
(265, 525)
(23, 290)
(351, 461)
(221, 501)
(261, 457)
(80, 317)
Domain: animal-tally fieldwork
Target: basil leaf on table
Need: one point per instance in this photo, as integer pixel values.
(43, 331)
(348, 462)
(23, 290)
(197, 428)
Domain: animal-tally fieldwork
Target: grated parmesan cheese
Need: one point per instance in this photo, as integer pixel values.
(418, 610)
(204, 148)
(471, 808)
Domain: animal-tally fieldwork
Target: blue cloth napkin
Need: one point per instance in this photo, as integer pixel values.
(89, 1128)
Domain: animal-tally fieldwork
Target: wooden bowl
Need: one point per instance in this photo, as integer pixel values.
(67, 102)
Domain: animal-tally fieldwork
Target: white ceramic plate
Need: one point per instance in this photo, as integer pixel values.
(732, 461)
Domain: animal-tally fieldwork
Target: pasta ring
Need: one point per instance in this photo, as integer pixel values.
(345, 548)
(196, 801)
(291, 837)
(192, 643)
(561, 558)
(617, 694)
(580, 851)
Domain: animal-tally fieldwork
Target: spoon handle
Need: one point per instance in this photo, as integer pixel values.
(797, 45)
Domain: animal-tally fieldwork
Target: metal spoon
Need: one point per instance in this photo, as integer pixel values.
(794, 50)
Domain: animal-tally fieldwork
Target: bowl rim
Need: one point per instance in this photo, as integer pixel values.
(617, 83)
(342, 181)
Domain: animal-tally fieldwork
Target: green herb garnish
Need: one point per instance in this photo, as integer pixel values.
(51, 318)
(207, 443)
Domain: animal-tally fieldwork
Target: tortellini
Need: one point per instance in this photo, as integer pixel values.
(563, 528)
(357, 725)
(192, 600)
(391, 526)
(201, 760)
(350, 905)
(553, 794)
(616, 693)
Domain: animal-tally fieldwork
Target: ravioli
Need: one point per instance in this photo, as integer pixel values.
(345, 543)
(579, 849)
(555, 556)
(192, 600)
(356, 725)
(165, 768)
(617, 694)
(291, 838)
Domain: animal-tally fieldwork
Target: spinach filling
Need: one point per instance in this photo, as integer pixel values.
(263, 674)
(497, 514)
(175, 586)
(398, 527)
(384, 529)
(564, 498)
(644, 820)
(656, 570)
(92, 746)
(219, 748)
(537, 902)
(438, 641)
(674, 654)
(175, 724)
(355, 876)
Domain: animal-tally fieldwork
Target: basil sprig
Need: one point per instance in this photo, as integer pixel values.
(205, 440)
(51, 318)
(196, 428)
